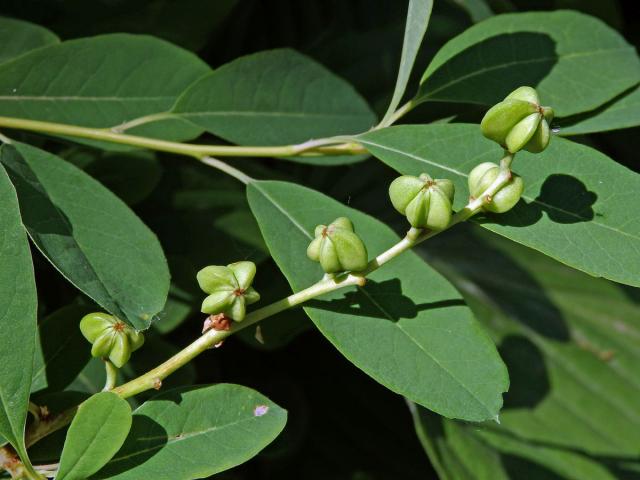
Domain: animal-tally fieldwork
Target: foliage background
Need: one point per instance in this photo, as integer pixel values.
(546, 318)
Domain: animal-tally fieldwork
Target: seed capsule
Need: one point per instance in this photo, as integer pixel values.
(519, 122)
(229, 289)
(482, 176)
(338, 248)
(425, 202)
(110, 337)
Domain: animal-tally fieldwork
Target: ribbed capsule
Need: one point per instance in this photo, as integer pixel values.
(427, 203)
(110, 337)
(229, 288)
(337, 247)
(519, 122)
(481, 178)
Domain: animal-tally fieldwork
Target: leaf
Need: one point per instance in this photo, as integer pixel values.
(404, 335)
(417, 21)
(97, 432)
(18, 305)
(478, 10)
(570, 342)
(62, 350)
(576, 62)
(272, 98)
(210, 429)
(89, 235)
(622, 112)
(18, 37)
(100, 82)
(578, 205)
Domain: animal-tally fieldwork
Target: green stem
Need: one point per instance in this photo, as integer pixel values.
(112, 376)
(188, 149)
(397, 115)
(153, 378)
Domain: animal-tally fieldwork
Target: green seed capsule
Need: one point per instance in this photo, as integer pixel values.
(482, 176)
(519, 122)
(229, 289)
(425, 202)
(337, 247)
(110, 337)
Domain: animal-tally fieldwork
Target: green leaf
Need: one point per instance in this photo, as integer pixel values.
(417, 21)
(62, 350)
(273, 98)
(89, 234)
(570, 343)
(405, 336)
(576, 62)
(622, 112)
(478, 10)
(17, 37)
(18, 304)
(209, 429)
(578, 205)
(101, 81)
(97, 432)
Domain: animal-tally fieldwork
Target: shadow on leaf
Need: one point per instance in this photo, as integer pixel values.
(380, 300)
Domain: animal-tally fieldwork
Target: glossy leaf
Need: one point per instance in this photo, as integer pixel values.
(18, 305)
(418, 17)
(570, 343)
(100, 81)
(89, 235)
(210, 429)
(404, 335)
(17, 37)
(578, 205)
(62, 351)
(96, 433)
(622, 112)
(576, 62)
(274, 97)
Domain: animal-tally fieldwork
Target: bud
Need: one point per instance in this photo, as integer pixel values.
(425, 202)
(338, 248)
(110, 337)
(229, 289)
(519, 122)
(483, 176)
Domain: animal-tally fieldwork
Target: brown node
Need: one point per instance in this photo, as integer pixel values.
(157, 384)
(217, 322)
(118, 326)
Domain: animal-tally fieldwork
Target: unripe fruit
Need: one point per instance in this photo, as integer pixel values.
(481, 178)
(338, 248)
(229, 289)
(519, 122)
(425, 202)
(110, 337)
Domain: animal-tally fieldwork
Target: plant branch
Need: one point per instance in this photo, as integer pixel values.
(112, 375)
(213, 338)
(115, 135)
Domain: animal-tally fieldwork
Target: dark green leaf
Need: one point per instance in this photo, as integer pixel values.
(90, 235)
(623, 112)
(63, 351)
(18, 305)
(406, 336)
(578, 205)
(18, 37)
(97, 432)
(570, 343)
(208, 429)
(274, 97)
(576, 62)
(100, 81)
(417, 22)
